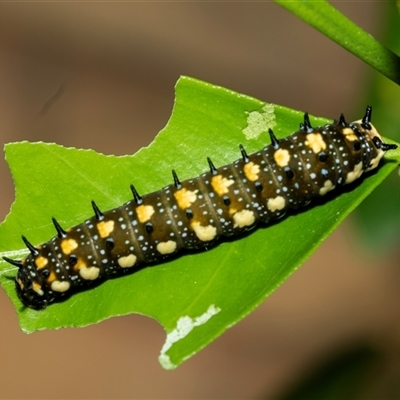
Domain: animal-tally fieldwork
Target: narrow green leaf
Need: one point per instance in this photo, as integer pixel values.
(195, 297)
(329, 21)
(378, 231)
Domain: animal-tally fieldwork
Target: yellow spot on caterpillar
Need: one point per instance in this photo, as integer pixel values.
(204, 233)
(282, 157)
(251, 171)
(356, 173)
(37, 288)
(144, 213)
(185, 198)
(328, 186)
(232, 210)
(52, 277)
(221, 184)
(90, 273)
(127, 261)
(278, 203)
(315, 142)
(68, 246)
(350, 135)
(105, 228)
(79, 265)
(60, 286)
(41, 262)
(243, 218)
(166, 247)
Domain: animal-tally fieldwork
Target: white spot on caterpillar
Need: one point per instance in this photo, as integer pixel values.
(144, 213)
(105, 228)
(127, 261)
(243, 218)
(68, 246)
(37, 288)
(204, 233)
(251, 171)
(259, 122)
(315, 142)
(278, 203)
(166, 247)
(90, 273)
(282, 157)
(185, 198)
(184, 326)
(328, 186)
(356, 173)
(60, 286)
(221, 184)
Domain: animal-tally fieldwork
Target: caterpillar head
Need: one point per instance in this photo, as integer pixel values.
(28, 290)
(374, 148)
(29, 282)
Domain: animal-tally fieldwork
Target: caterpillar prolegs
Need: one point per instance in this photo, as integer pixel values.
(195, 213)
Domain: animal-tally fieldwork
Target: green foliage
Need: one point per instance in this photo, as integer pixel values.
(195, 297)
(333, 24)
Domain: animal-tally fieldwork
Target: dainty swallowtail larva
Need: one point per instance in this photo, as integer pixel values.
(195, 213)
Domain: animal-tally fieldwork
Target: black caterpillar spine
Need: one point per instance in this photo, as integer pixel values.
(195, 213)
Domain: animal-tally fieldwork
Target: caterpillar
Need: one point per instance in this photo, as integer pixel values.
(195, 213)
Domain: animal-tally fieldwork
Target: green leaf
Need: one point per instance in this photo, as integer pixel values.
(381, 232)
(329, 21)
(195, 297)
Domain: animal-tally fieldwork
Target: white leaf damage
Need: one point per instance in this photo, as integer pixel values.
(183, 327)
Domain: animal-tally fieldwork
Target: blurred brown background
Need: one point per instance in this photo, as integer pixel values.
(102, 75)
